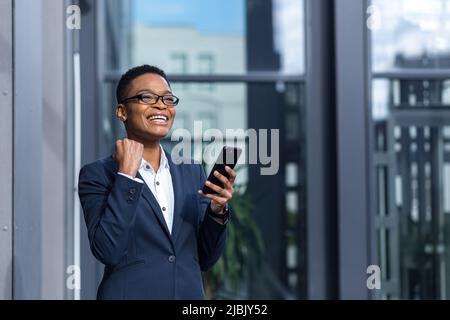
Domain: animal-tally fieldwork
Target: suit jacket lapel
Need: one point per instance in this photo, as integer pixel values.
(147, 194)
(175, 172)
(150, 198)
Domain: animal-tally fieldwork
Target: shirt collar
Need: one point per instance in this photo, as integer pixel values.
(163, 162)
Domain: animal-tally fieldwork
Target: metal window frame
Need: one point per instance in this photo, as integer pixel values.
(254, 77)
(322, 244)
(356, 234)
(413, 74)
(90, 145)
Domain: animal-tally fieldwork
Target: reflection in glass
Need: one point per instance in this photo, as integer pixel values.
(410, 217)
(410, 34)
(410, 153)
(201, 36)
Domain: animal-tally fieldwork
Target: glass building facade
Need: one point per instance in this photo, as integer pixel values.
(410, 49)
(356, 93)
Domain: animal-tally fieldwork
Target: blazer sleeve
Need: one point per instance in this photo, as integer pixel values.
(212, 235)
(109, 210)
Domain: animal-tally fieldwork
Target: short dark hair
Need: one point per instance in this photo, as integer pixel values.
(133, 73)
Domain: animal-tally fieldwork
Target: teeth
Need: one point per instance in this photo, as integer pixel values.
(158, 117)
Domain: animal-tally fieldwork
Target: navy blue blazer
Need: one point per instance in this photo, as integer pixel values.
(128, 234)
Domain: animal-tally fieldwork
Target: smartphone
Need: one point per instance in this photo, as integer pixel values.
(228, 157)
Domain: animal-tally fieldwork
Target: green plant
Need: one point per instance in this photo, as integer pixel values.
(243, 252)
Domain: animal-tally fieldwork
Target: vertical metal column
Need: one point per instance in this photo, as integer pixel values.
(27, 149)
(353, 148)
(89, 126)
(320, 152)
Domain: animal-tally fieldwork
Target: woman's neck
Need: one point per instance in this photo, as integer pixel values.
(152, 154)
(152, 151)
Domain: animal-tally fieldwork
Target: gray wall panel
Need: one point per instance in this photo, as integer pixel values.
(6, 148)
(54, 165)
(27, 148)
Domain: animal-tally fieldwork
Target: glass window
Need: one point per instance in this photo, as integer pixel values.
(158, 30)
(410, 48)
(179, 63)
(410, 34)
(265, 256)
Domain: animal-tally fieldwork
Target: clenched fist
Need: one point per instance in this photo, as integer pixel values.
(129, 156)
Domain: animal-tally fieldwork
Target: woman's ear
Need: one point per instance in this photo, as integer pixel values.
(121, 113)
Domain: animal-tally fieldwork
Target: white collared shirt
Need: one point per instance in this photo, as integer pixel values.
(160, 183)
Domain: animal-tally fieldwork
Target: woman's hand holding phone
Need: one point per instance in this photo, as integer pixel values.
(219, 185)
(223, 194)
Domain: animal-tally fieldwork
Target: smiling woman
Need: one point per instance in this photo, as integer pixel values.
(146, 115)
(135, 202)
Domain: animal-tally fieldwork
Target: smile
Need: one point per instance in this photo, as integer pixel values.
(159, 119)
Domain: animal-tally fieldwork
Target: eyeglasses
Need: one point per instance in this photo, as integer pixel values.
(151, 99)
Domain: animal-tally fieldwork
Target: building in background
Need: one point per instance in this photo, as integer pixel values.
(186, 50)
(410, 47)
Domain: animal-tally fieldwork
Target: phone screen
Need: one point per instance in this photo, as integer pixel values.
(227, 157)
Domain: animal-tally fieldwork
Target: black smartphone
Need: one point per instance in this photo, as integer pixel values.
(228, 157)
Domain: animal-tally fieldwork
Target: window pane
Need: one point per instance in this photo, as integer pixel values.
(206, 37)
(410, 34)
(409, 116)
